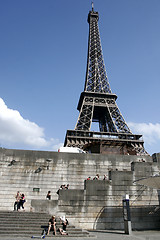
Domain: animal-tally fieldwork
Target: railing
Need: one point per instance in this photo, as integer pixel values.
(103, 135)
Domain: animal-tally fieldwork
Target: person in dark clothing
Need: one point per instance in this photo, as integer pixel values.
(67, 186)
(60, 188)
(21, 202)
(64, 226)
(52, 225)
(48, 195)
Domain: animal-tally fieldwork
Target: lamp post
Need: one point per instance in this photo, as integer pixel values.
(126, 215)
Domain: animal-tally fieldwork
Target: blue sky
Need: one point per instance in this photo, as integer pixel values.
(43, 55)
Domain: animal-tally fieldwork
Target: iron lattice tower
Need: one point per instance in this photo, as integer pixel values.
(97, 103)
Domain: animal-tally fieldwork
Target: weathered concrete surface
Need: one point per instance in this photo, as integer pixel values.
(31, 173)
(103, 235)
(91, 209)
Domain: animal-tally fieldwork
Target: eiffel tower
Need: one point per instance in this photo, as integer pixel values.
(97, 103)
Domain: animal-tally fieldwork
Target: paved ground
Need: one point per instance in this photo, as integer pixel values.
(102, 235)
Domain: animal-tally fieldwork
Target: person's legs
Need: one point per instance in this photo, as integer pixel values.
(61, 231)
(18, 206)
(15, 205)
(64, 233)
(54, 228)
(49, 228)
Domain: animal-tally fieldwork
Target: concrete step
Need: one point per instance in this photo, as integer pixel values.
(82, 235)
(34, 229)
(31, 223)
(4, 214)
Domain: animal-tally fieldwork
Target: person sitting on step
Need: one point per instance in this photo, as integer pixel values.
(52, 225)
(89, 178)
(67, 186)
(96, 177)
(62, 229)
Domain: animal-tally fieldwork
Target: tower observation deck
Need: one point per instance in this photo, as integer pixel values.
(97, 103)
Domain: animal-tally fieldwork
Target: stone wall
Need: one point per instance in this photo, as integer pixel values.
(36, 172)
(96, 207)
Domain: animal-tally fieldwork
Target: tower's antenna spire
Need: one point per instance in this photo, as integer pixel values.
(92, 7)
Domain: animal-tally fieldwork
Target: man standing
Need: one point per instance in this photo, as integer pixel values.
(16, 203)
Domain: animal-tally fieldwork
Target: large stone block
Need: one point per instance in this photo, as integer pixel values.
(71, 194)
(96, 187)
(121, 178)
(45, 206)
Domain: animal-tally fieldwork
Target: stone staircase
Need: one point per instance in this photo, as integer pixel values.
(32, 224)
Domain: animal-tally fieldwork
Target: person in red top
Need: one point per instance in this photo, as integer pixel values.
(21, 202)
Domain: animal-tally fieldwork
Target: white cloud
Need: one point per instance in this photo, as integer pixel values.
(17, 131)
(150, 131)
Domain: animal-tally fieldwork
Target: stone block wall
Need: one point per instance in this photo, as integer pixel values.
(91, 209)
(86, 205)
